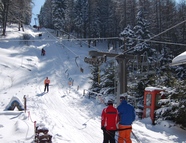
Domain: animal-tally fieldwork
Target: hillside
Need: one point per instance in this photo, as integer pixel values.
(69, 116)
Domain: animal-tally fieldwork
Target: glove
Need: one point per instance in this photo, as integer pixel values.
(103, 128)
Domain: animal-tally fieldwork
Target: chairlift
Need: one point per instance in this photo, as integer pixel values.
(141, 66)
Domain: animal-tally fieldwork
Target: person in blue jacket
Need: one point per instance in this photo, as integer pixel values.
(126, 117)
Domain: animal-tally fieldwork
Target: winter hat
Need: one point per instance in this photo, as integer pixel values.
(110, 102)
(122, 97)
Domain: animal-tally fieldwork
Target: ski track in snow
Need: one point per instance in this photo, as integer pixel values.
(52, 101)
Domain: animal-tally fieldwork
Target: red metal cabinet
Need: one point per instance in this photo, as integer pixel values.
(151, 97)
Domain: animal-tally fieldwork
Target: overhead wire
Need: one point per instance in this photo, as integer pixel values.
(107, 38)
(76, 55)
(75, 39)
(147, 40)
(160, 42)
(103, 38)
(67, 39)
(58, 39)
(85, 39)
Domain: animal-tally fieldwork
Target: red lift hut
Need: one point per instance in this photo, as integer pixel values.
(151, 97)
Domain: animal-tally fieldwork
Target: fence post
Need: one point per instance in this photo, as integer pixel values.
(84, 92)
(25, 103)
(35, 132)
(89, 95)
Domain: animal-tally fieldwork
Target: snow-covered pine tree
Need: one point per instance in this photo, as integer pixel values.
(81, 17)
(69, 16)
(103, 79)
(45, 16)
(106, 8)
(141, 33)
(93, 27)
(172, 105)
(58, 13)
(128, 35)
(94, 79)
(108, 79)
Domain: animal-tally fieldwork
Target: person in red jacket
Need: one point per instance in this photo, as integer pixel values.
(109, 120)
(46, 82)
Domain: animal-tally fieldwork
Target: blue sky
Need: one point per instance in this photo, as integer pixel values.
(36, 10)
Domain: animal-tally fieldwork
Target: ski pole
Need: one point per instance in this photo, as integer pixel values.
(135, 137)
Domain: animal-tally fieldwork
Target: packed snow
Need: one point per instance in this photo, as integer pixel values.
(66, 110)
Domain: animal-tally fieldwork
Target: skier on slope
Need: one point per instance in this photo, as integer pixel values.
(46, 83)
(109, 120)
(43, 52)
(126, 118)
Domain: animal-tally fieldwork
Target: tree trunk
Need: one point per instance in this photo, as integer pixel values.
(5, 15)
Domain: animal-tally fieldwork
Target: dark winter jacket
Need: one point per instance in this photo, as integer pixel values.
(109, 118)
(126, 113)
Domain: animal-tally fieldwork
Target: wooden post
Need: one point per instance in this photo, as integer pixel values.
(24, 102)
(98, 75)
(35, 132)
(84, 92)
(122, 78)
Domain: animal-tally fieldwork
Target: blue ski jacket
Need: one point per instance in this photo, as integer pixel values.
(126, 113)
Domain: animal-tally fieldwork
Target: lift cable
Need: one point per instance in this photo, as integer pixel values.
(147, 40)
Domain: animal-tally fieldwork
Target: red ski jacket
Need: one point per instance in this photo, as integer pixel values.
(109, 118)
(47, 81)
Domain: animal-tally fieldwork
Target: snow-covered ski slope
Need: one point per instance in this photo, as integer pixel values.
(69, 116)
